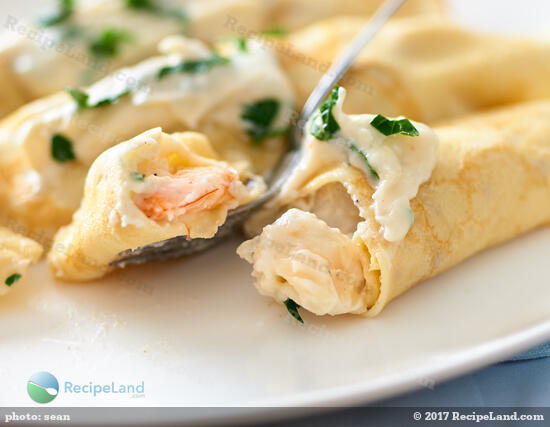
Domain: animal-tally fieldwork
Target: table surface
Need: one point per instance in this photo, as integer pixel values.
(507, 384)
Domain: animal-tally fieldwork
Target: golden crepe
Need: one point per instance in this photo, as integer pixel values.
(82, 40)
(425, 68)
(17, 253)
(47, 147)
(152, 188)
(294, 14)
(359, 245)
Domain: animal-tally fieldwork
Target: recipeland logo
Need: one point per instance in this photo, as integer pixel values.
(43, 387)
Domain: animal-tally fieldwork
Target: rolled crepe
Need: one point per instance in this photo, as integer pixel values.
(152, 188)
(294, 14)
(17, 253)
(47, 147)
(98, 36)
(426, 68)
(330, 251)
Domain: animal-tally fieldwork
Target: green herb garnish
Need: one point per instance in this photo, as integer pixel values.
(390, 127)
(328, 126)
(62, 149)
(195, 66)
(274, 32)
(65, 9)
(152, 6)
(82, 98)
(141, 4)
(357, 150)
(109, 42)
(292, 308)
(259, 118)
(12, 279)
(241, 43)
(137, 176)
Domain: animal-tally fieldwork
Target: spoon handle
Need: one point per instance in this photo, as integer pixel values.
(346, 58)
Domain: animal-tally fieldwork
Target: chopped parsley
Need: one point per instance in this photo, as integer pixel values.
(240, 42)
(357, 150)
(12, 279)
(194, 66)
(62, 149)
(82, 98)
(152, 6)
(328, 126)
(64, 11)
(109, 42)
(138, 176)
(275, 32)
(390, 127)
(260, 117)
(292, 308)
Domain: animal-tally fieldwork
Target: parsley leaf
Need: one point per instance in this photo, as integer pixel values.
(62, 148)
(275, 32)
(292, 308)
(109, 42)
(64, 11)
(357, 150)
(241, 43)
(329, 126)
(137, 176)
(194, 66)
(141, 4)
(81, 98)
(12, 279)
(152, 6)
(259, 118)
(390, 127)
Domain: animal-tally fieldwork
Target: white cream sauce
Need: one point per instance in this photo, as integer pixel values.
(403, 163)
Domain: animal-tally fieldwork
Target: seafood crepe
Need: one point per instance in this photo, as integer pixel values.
(47, 147)
(151, 188)
(81, 41)
(17, 253)
(366, 216)
(425, 68)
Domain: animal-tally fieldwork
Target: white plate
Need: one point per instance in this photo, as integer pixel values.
(197, 333)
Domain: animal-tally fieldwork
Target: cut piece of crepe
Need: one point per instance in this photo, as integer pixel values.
(17, 253)
(151, 188)
(491, 183)
(47, 147)
(36, 61)
(426, 68)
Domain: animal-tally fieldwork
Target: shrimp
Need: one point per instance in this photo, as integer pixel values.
(187, 191)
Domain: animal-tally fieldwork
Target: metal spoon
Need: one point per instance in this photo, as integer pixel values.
(180, 246)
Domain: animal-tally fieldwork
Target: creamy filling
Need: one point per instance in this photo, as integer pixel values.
(300, 257)
(333, 205)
